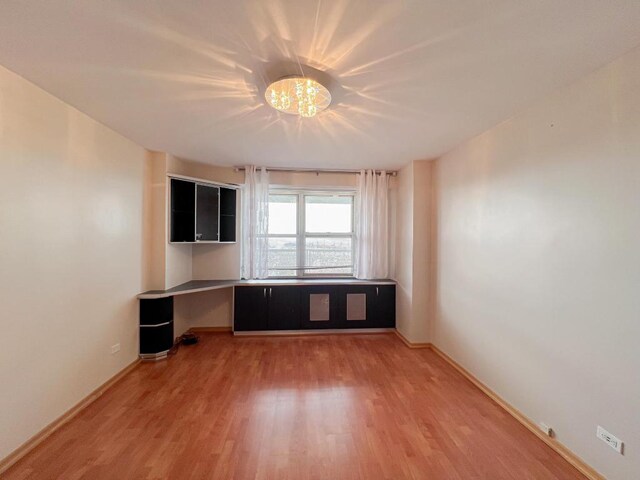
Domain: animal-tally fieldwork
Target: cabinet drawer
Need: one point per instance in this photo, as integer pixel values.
(156, 338)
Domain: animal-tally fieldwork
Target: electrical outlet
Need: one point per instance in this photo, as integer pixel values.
(115, 348)
(611, 440)
(548, 431)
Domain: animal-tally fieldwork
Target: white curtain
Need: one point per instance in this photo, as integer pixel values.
(255, 223)
(372, 225)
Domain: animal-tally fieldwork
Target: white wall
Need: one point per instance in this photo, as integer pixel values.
(71, 220)
(539, 262)
(412, 251)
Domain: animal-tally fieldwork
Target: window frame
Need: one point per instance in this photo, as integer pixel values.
(301, 235)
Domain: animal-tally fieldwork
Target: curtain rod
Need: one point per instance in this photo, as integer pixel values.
(317, 171)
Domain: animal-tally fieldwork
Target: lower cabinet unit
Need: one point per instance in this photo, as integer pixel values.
(319, 307)
(250, 308)
(259, 308)
(156, 327)
(367, 306)
(284, 308)
(266, 308)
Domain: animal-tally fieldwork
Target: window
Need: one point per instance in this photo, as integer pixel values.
(310, 233)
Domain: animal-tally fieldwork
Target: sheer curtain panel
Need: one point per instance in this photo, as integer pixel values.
(372, 225)
(255, 223)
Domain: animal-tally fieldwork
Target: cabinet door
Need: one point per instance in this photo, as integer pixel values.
(207, 213)
(227, 214)
(385, 306)
(284, 308)
(358, 304)
(319, 307)
(250, 308)
(183, 211)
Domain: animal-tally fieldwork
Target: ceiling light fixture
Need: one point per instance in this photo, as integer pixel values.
(298, 96)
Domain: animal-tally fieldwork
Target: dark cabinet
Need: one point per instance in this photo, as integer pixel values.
(357, 306)
(250, 308)
(260, 308)
(384, 314)
(319, 307)
(266, 308)
(156, 327)
(202, 212)
(284, 308)
(367, 306)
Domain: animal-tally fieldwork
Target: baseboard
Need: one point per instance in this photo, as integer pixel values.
(563, 451)
(320, 331)
(39, 437)
(410, 344)
(210, 330)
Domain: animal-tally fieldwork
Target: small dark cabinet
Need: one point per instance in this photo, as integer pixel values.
(385, 307)
(250, 308)
(284, 308)
(156, 327)
(368, 306)
(319, 307)
(266, 308)
(202, 212)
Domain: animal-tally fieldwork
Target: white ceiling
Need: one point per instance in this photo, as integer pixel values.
(411, 78)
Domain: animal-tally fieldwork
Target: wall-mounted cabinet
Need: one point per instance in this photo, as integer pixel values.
(202, 212)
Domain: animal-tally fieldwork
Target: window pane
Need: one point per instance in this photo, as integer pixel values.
(329, 252)
(282, 214)
(282, 256)
(328, 213)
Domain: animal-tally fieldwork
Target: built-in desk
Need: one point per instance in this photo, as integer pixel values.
(276, 306)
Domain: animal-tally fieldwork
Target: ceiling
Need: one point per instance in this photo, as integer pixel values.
(411, 79)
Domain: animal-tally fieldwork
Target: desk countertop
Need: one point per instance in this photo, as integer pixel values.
(205, 285)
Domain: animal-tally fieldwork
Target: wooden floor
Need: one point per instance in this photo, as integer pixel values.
(327, 407)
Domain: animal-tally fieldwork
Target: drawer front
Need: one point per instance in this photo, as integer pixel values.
(156, 311)
(156, 338)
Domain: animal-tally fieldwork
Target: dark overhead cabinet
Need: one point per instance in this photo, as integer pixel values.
(202, 212)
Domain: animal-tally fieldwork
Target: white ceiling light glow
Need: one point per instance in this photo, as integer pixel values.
(298, 96)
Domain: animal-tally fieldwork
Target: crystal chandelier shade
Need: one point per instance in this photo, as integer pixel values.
(298, 96)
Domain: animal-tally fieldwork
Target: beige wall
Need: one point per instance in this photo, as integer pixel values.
(71, 222)
(412, 226)
(539, 262)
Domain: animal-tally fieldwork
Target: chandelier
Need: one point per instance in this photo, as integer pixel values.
(298, 96)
